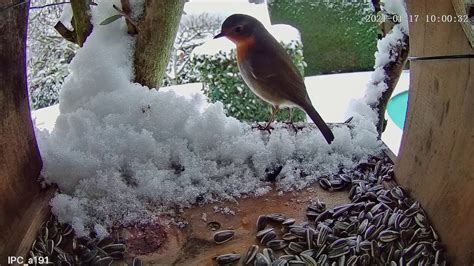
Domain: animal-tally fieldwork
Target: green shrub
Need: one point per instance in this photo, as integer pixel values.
(222, 82)
(335, 36)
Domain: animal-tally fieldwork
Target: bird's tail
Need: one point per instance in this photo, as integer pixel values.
(318, 120)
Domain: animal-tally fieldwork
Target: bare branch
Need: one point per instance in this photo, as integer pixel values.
(49, 5)
(82, 23)
(126, 11)
(65, 32)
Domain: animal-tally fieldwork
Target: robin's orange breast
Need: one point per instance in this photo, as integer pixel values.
(243, 47)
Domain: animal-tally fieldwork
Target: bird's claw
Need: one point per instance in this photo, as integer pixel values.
(295, 128)
(266, 127)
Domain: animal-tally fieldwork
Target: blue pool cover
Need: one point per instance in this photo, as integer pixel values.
(397, 108)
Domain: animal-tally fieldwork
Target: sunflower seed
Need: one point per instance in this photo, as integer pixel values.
(342, 209)
(308, 260)
(105, 241)
(116, 255)
(114, 247)
(412, 210)
(337, 185)
(335, 253)
(322, 235)
(276, 217)
(268, 252)
(397, 193)
(339, 243)
(289, 237)
(287, 257)
(279, 262)
(267, 237)
(352, 261)
(365, 245)
(227, 259)
(276, 244)
(261, 260)
(66, 229)
(322, 259)
(324, 183)
(296, 263)
(104, 261)
(363, 226)
(309, 252)
(50, 247)
(312, 215)
(262, 222)
(263, 232)
(323, 216)
(388, 235)
(295, 247)
(298, 231)
(250, 254)
(288, 222)
(221, 237)
(385, 199)
(137, 262)
(369, 232)
(309, 237)
(420, 220)
(89, 255)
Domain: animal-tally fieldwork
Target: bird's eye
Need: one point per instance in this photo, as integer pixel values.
(238, 29)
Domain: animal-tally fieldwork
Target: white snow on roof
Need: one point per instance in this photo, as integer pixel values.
(225, 8)
(282, 32)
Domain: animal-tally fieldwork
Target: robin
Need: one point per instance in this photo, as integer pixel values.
(268, 70)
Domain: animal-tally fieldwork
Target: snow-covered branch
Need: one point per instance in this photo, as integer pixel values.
(390, 58)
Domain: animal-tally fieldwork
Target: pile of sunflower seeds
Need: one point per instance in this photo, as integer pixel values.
(381, 226)
(57, 242)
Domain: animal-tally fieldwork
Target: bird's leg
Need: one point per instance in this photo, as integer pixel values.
(268, 126)
(275, 110)
(290, 112)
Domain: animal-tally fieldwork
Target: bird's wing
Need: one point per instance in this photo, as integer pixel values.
(275, 72)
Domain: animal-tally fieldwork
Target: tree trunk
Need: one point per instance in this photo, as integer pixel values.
(156, 32)
(82, 21)
(20, 161)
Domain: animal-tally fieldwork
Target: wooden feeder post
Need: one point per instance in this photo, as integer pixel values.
(22, 204)
(436, 158)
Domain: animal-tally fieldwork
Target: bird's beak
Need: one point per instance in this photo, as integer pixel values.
(219, 35)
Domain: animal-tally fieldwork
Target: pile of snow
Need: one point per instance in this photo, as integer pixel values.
(120, 151)
(399, 9)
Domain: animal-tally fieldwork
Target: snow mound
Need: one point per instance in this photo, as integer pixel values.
(120, 151)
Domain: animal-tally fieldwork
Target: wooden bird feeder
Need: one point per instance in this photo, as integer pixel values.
(435, 162)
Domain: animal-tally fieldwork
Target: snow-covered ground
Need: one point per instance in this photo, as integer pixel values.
(121, 152)
(330, 94)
